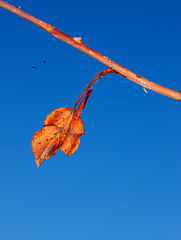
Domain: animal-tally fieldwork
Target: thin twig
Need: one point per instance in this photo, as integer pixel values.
(77, 43)
(99, 74)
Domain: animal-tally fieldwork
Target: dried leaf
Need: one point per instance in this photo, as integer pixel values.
(62, 129)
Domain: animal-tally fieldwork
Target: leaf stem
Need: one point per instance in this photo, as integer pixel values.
(100, 74)
(77, 43)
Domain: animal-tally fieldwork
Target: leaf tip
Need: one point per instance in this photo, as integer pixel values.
(38, 163)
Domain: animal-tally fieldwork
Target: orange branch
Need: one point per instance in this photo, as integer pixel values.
(77, 43)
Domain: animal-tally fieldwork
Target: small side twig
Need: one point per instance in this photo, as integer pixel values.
(99, 74)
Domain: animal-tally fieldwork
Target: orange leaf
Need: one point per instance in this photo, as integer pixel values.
(62, 129)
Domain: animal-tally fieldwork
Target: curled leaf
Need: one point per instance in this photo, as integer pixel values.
(62, 129)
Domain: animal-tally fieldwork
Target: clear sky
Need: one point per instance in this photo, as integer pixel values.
(124, 181)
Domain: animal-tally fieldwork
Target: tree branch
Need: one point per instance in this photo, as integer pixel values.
(77, 43)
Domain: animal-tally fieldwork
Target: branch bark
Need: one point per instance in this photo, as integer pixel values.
(77, 43)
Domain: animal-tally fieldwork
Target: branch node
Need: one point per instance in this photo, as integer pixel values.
(50, 28)
(78, 39)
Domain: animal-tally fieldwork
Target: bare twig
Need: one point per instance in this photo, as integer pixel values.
(77, 43)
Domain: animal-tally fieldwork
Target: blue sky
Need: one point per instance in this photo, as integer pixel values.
(124, 181)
